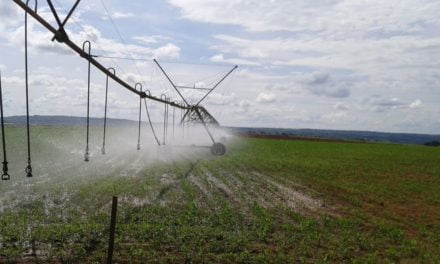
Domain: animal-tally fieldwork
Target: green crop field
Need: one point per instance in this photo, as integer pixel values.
(265, 201)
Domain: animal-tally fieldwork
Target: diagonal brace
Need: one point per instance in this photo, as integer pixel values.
(61, 35)
(216, 85)
(172, 83)
(204, 124)
(66, 19)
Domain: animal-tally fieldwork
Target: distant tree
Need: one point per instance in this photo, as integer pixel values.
(433, 144)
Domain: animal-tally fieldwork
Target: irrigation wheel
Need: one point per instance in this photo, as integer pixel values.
(218, 149)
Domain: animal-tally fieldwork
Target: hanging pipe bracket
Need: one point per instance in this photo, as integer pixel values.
(58, 33)
(165, 120)
(168, 115)
(28, 169)
(140, 115)
(87, 154)
(77, 49)
(86, 54)
(149, 118)
(35, 7)
(5, 175)
(113, 71)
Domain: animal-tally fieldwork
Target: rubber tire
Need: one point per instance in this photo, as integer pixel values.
(218, 149)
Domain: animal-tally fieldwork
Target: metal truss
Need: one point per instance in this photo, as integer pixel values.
(193, 112)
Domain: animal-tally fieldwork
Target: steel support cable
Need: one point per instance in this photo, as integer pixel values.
(196, 110)
(168, 117)
(87, 34)
(163, 97)
(216, 85)
(69, 14)
(170, 81)
(120, 37)
(174, 119)
(212, 78)
(28, 169)
(227, 86)
(5, 175)
(79, 51)
(105, 56)
(181, 123)
(149, 121)
(87, 154)
(105, 109)
(140, 116)
(166, 124)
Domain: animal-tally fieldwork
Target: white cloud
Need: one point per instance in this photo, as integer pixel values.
(168, 51)
(416, 104)
(377, 103)
(322, 84)
(367, 56)
(334, 117)
(66, 96)
(9, 14)
(220, 58)
(337, 92)
(151, 39)
(243, 47)
(266, 98)
(121, 15)
(322, 15)
(220, 99)
(100, 45)
(328, 63)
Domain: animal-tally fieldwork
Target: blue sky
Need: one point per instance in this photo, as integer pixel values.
(335, 64)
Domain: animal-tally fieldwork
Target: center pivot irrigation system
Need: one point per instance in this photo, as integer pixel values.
(191, 113)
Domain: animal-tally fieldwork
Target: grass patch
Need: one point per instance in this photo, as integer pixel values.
(380, 203)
